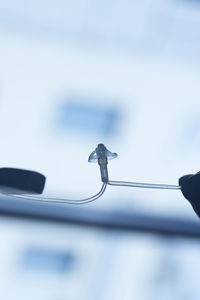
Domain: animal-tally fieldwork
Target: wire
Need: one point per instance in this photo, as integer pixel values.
(144, 185)
(62, 200)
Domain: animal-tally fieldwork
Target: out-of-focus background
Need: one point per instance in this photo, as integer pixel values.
(77, 73)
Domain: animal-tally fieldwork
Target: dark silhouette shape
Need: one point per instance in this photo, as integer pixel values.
(18, 181)
(190, 187)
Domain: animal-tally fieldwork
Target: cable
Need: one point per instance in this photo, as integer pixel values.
(100, 155)
(144, 185)
(61, 200)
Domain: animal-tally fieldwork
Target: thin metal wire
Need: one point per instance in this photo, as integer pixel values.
(61, 200)
(144, 185)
